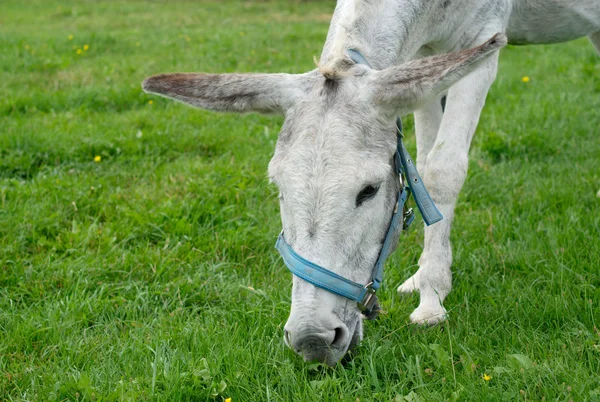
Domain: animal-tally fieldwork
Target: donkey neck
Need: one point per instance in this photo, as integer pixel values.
(386, 32)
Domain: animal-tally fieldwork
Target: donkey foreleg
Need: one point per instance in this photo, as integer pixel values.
(444, 174)
(427, 124)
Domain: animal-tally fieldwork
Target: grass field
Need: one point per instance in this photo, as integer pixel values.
(136, 234)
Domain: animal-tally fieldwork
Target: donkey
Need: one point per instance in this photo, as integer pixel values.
(334, 161)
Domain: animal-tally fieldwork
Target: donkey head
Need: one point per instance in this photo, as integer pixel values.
(334, 167)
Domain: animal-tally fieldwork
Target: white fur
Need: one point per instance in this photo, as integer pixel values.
(338, 136)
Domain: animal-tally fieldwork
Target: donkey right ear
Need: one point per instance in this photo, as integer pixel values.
(403, 88)
(264, 93)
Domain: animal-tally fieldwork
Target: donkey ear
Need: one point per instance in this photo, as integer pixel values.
(404, 88)
(265, 93)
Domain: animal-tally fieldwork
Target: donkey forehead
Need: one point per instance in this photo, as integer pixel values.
(333, 140)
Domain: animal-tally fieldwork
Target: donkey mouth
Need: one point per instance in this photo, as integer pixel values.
(316, 350)
(326, 355)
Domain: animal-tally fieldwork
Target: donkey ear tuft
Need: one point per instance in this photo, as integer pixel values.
(168, 85)
(154, 84)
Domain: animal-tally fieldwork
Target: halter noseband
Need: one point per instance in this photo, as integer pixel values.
(364, 295)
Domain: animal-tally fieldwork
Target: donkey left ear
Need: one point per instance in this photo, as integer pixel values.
(403, 88)
(264, 93)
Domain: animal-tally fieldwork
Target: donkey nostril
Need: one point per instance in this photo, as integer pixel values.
(339, 336)
(286, 337)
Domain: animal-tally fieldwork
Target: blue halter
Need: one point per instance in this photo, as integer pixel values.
(364, 295)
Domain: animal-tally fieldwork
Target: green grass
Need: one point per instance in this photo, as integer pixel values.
(151, 275)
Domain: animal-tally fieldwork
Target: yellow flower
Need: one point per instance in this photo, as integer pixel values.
(525, 79)
(97, 158)
(187, 38)
(86, 47)
(70, 37)
(79, 51)
(487, 377)
(150, 102)
(228, 400)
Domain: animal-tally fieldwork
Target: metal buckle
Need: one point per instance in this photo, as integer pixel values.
(409, 217)
(369, 301)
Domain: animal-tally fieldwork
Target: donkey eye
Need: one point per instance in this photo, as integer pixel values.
(365, 194)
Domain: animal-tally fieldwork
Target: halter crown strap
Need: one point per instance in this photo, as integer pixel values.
(358, 58)
(426, 206)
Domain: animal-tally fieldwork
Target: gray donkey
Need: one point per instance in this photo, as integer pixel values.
(334, 161)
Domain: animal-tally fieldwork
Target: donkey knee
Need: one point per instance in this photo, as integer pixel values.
(445, 175)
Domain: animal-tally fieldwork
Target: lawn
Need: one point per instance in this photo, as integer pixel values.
(136, 234)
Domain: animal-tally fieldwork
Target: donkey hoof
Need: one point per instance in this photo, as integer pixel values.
(428, 315)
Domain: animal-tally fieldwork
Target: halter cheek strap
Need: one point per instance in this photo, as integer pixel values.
(323, 278)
